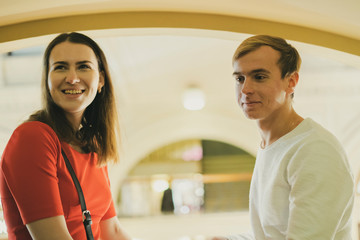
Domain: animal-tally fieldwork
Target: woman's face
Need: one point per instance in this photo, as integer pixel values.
(74, 78)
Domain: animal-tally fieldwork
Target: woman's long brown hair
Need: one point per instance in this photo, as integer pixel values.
(100, 127)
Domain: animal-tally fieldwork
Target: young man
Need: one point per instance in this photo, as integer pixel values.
(302, 186)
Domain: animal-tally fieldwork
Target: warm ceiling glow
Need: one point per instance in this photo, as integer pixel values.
(193, 99)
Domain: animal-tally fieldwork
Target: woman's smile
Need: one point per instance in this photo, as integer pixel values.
(73, 91)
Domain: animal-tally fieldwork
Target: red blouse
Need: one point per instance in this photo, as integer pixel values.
(35, 183)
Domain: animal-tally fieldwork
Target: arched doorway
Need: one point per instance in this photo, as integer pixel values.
(204, 176)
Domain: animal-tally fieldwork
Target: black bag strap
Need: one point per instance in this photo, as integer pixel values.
(85, 212)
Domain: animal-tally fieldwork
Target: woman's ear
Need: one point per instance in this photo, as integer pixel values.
(293, 79)
(101, 81)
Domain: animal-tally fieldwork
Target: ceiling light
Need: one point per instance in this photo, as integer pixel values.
(193, 99)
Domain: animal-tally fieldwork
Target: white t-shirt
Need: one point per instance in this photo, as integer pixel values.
(302, 188)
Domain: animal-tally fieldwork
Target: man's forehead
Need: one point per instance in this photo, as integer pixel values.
(262, 58)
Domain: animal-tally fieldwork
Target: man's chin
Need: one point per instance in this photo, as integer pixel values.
(251, 116)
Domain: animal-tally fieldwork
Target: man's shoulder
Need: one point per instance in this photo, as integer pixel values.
(319, 146)
(311, 139)
(319, 134)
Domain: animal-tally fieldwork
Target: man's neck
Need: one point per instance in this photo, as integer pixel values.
(275, 127)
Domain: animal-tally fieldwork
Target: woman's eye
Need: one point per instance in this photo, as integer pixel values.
(59, 67)
(84, 66)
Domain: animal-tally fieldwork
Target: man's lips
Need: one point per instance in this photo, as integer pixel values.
(251, 102)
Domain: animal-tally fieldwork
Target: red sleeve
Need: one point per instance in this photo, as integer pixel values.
(111, 212)
(29, 166)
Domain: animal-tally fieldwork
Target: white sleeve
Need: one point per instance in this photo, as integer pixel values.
(322, 192)
(247, 236)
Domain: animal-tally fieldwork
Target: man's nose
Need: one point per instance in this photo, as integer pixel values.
(247, 87)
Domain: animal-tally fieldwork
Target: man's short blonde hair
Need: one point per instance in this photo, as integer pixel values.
(289, 60)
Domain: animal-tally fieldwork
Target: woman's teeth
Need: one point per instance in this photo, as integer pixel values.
(73, 91)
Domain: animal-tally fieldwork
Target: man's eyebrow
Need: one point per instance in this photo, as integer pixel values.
(236, 73)
(259, 70)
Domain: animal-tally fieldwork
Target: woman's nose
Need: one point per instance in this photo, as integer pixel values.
(72, 77)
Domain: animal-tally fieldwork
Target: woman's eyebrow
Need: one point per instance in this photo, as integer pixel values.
(84, 61)
(60, 63)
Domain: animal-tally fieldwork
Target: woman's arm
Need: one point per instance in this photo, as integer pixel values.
(110, 229)
(53, 228)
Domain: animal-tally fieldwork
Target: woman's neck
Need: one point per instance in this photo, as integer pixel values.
(74, 119)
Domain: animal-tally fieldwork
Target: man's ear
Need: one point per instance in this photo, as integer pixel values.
(292, 79)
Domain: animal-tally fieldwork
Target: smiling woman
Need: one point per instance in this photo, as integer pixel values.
(78, 123)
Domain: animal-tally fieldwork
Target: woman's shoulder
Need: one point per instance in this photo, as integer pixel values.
(34, 126)
(34, 130)
(31, 141)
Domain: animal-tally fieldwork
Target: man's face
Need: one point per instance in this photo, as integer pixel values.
(260, 90)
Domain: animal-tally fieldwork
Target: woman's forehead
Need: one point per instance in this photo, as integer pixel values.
(67, 51)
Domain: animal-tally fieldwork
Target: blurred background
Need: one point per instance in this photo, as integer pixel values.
(188, 152)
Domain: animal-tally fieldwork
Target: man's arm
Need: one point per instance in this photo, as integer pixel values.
(322, 193)
(234, 237)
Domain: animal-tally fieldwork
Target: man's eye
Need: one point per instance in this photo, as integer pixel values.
(240, 79)
(260, 77)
